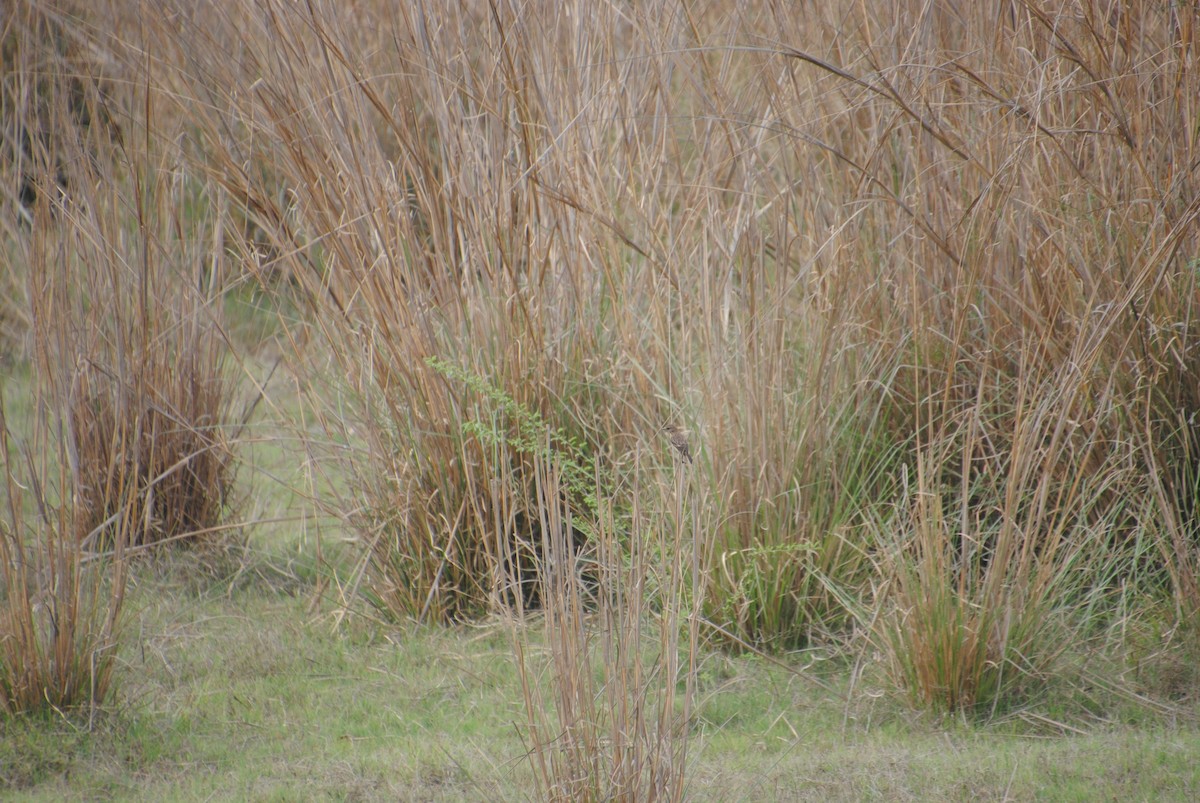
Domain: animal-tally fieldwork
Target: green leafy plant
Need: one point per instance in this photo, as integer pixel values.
(514, 426)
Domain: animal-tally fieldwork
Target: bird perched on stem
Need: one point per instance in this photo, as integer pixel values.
(678, 438)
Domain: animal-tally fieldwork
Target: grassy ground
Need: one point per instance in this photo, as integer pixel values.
(239, 691)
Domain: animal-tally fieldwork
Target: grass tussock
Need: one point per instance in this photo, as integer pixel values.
(982, 598)
(153, 444)
(60, 613)
(127, 440)
(609, 695)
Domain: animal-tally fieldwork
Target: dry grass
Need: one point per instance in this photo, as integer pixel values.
(608, 708)
(127, 445)
(828, 250)
(920, 280)
(59, 618)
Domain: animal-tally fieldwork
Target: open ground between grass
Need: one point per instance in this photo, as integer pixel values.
(243, 695)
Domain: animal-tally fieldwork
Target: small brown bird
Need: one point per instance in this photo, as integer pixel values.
(679, 440)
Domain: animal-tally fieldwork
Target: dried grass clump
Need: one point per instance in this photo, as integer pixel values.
(60, 611)
(118, 256)
(621, 649)
(154, 447)
(128, 444)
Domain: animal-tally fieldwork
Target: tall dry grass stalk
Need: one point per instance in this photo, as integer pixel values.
(609, 694)
(60, 616)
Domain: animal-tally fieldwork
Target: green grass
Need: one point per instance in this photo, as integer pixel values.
(245, 693)
(238, 696)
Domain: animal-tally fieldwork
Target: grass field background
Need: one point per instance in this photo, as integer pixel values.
(339, 342)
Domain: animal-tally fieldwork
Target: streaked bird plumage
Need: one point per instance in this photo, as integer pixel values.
(679, 440)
